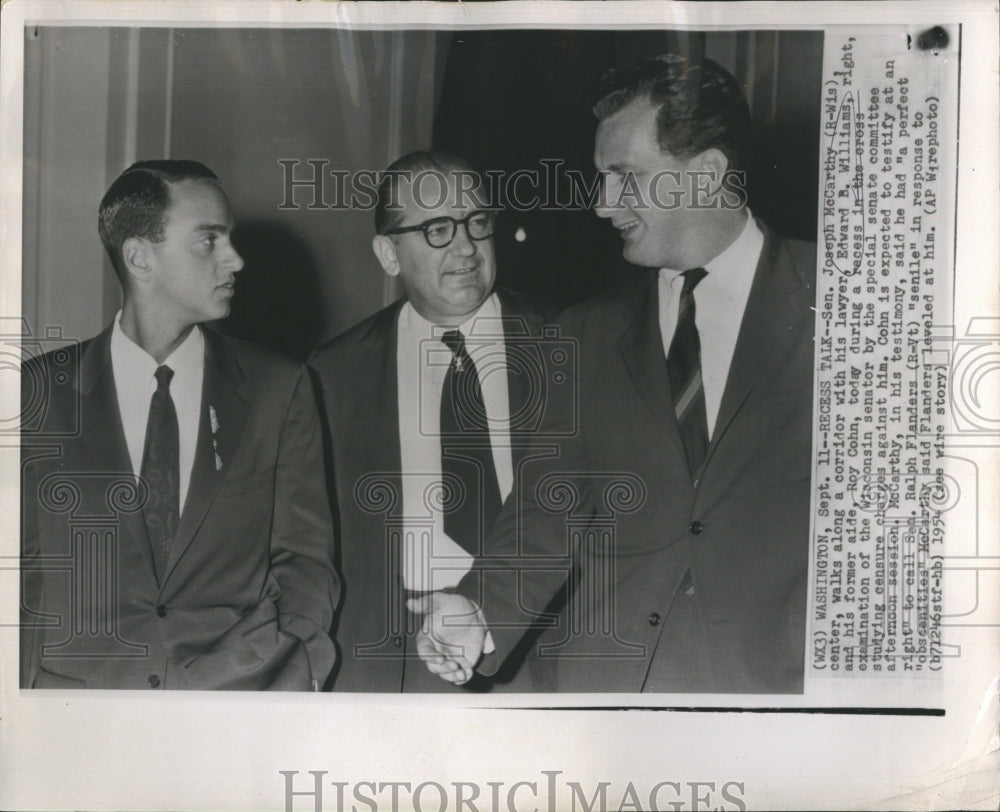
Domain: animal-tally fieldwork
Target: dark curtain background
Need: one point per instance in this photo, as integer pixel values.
(513, 98)
(242, 100)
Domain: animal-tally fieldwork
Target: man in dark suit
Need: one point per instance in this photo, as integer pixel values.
(682, 498)
(427, 403)
(176, 528)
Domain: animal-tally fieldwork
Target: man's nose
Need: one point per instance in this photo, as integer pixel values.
(462, 243)
(608, 195)
(233, 262)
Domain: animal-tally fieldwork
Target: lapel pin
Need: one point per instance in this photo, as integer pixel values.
(213, 419)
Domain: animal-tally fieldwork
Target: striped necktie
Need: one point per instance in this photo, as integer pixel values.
(684, 370)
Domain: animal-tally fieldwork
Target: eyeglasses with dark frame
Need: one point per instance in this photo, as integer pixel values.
(440, 231)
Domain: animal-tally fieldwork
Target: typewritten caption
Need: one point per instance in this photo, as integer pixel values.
(883, 287)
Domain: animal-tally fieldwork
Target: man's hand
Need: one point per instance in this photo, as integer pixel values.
(452, 637)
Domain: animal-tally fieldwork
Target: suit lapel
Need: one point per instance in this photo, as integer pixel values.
(103, 436)
(641, 348)
(221, 420)
(777, 302)
(517, 328)
(377, 394)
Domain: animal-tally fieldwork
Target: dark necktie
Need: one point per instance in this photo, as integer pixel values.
(161, 471)
(466, 452)
(684, 369)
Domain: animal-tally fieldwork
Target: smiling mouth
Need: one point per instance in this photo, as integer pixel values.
(627, 228)
(462, 271)
(229, 287)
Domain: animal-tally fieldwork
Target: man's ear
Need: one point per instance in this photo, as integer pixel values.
(714, 163)
(385, 253)
(135, 253)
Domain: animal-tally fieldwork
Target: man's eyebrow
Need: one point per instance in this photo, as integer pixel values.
(215, 228)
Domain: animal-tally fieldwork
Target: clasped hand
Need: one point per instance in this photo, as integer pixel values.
(452, 636)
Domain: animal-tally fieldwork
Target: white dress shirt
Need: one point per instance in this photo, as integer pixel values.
(135, 382)
(432, 560)
(720, 299)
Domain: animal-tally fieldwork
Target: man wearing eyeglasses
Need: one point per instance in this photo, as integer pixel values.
(418, 401)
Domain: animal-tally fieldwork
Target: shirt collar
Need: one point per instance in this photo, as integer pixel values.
(735, 266)
(734, 258)
(136, 364)
(479, 321)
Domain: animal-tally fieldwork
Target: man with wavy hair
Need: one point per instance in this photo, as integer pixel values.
(695, 402)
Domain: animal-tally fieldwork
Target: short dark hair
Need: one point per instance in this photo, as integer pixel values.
(699, 105)
(136, 204)
(388, 212)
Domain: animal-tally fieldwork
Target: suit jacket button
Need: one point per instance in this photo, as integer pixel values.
(696, 527)
(654, 619)
(154, 681)
(161, 611)
(397, 641)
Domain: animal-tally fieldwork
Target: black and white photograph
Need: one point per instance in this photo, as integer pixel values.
(610, 402)
(499, 406)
